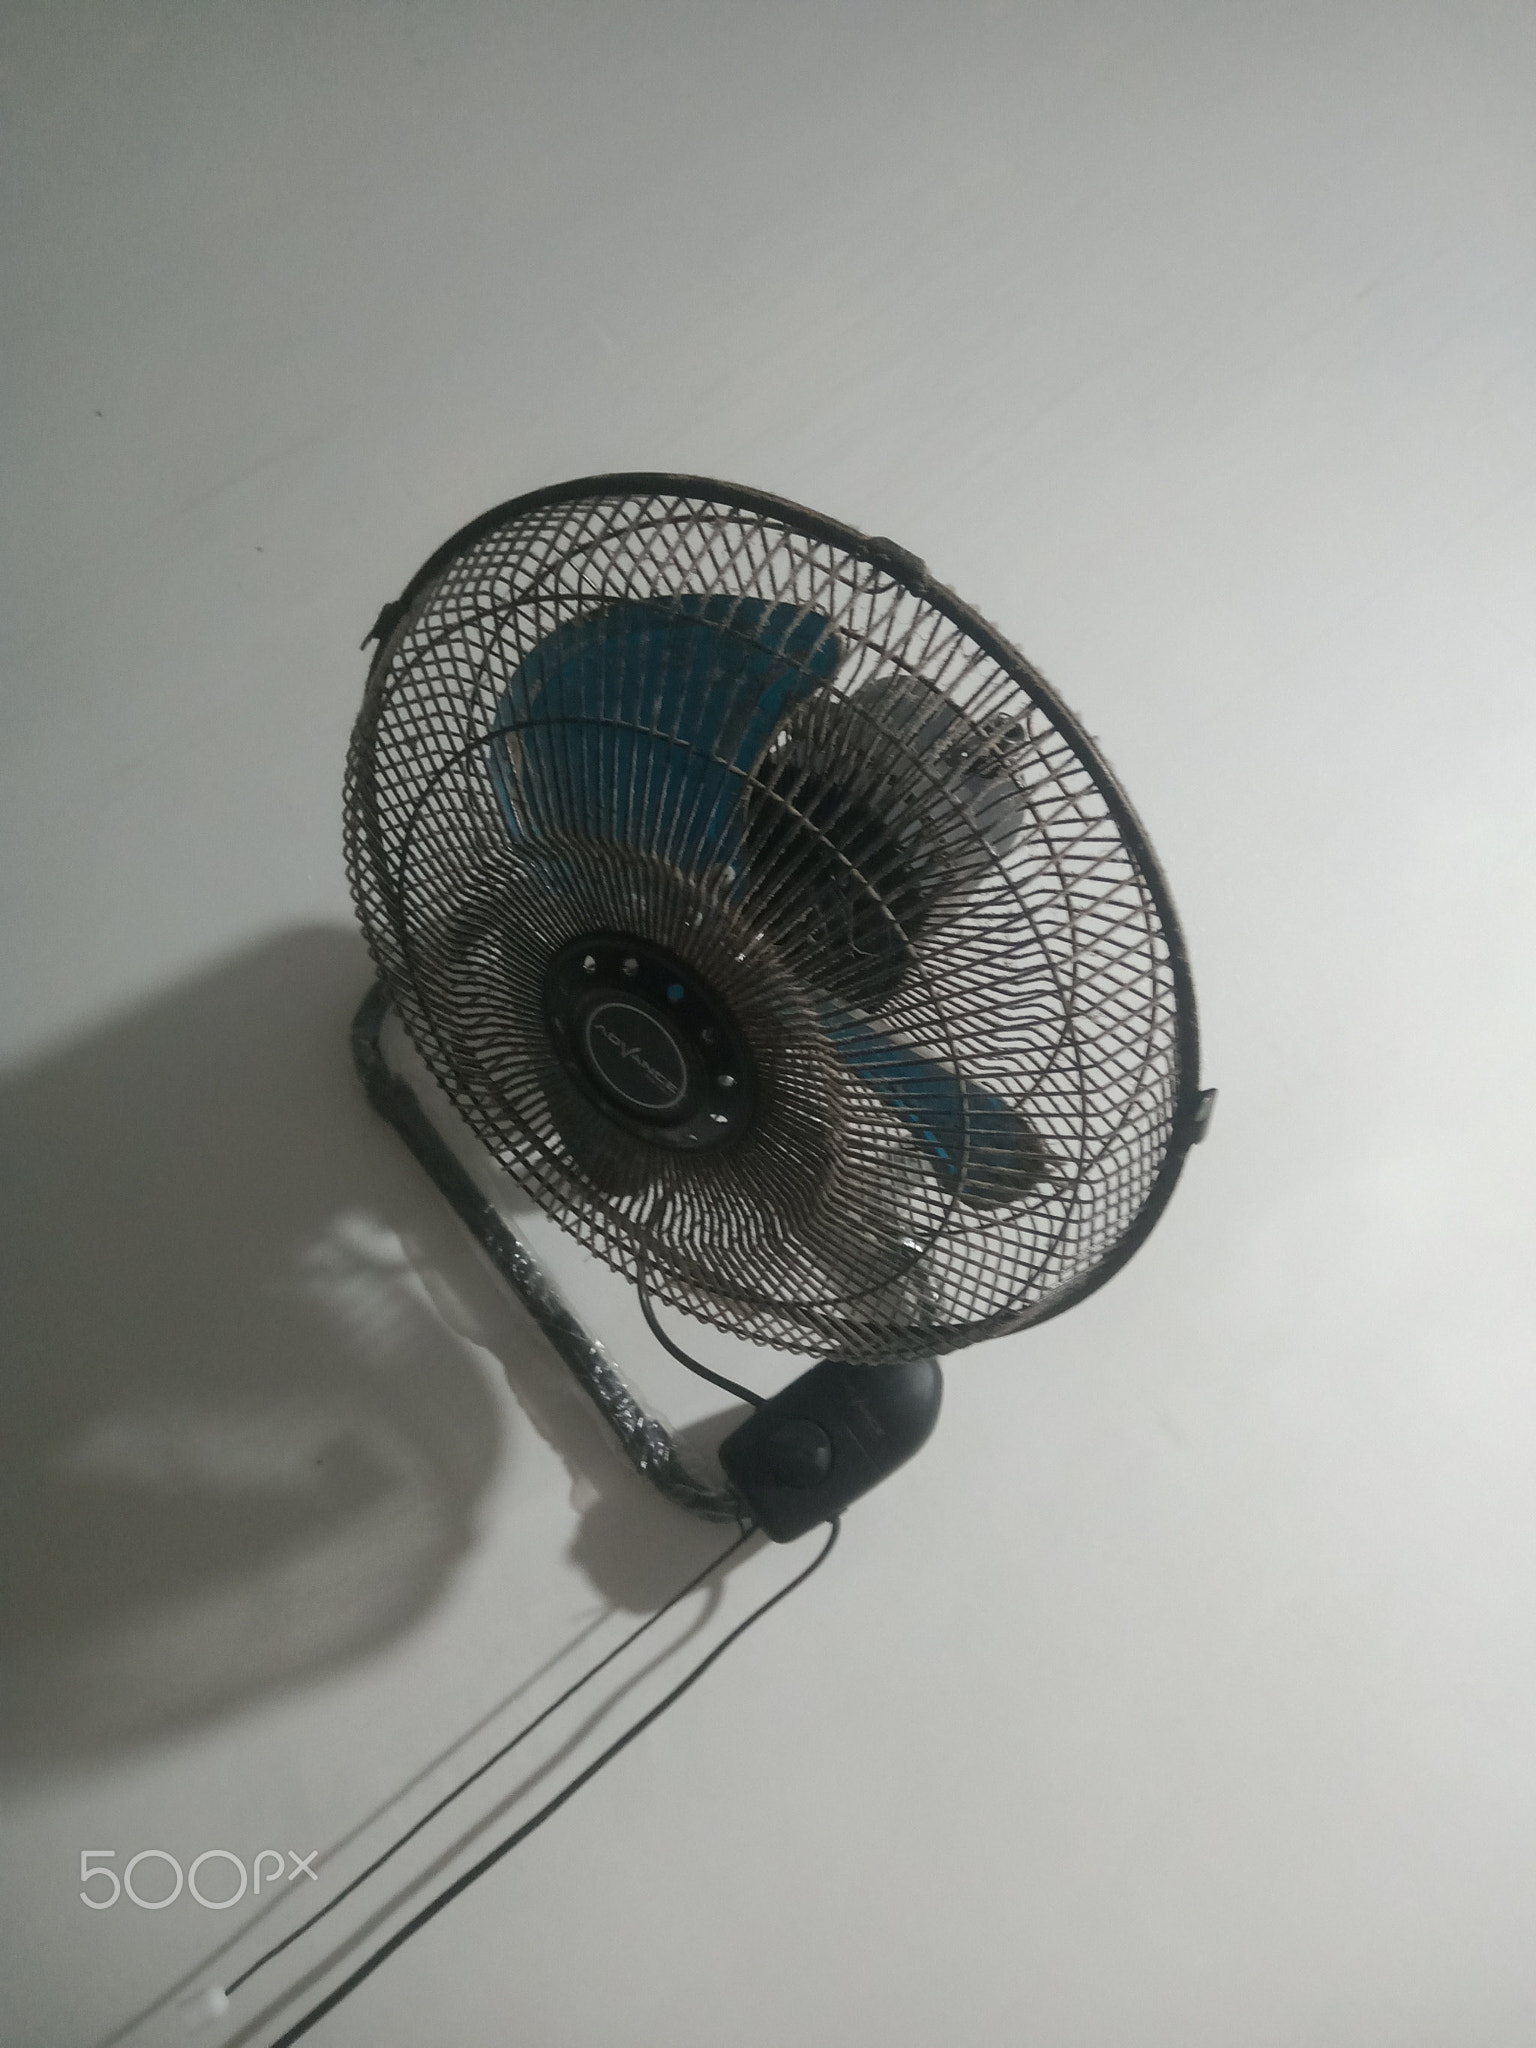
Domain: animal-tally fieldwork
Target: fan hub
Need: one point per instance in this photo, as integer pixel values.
(631, 1053)
(648, 1042)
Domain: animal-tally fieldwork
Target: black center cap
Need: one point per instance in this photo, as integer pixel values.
(631, 1051)
(648, 1042)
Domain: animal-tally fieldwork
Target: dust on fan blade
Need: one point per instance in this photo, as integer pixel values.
(827, 875)
(636, 723)
(905, 721)
(980, 1147)
(873, 813)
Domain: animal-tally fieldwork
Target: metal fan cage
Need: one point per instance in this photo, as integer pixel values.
(1045, 971)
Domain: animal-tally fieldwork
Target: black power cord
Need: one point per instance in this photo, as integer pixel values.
(717, 1379)
(503, 1848)
(479, 1772)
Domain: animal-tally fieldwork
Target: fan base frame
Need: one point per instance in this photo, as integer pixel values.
(645, 1440)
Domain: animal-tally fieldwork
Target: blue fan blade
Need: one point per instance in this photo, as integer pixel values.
(977, 1144)
(637, 723)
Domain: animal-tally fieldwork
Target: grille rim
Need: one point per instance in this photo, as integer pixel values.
(365, 847)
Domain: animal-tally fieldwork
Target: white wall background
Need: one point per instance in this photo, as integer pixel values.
(1184, 1689)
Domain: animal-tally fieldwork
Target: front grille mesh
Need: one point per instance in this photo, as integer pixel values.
(924, 870)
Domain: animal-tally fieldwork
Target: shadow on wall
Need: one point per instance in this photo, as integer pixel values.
(240, 1443)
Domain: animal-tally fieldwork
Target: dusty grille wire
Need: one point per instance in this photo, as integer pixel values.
(917, 890)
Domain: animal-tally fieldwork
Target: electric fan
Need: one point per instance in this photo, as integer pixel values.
(774, 926)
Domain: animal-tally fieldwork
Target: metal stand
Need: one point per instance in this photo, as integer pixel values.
(647, 1443)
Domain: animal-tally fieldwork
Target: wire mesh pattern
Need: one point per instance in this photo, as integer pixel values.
(722, 726)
